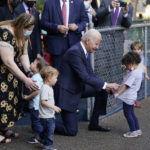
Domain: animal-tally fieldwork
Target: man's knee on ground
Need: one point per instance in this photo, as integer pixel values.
(71, 132)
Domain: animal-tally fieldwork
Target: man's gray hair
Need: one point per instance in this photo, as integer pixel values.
(91, 34)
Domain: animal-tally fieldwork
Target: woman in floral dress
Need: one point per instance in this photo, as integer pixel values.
(14, 36)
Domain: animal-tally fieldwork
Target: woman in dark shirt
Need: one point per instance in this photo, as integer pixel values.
(7, 9)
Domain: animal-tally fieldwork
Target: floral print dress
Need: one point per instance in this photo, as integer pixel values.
(10, 86)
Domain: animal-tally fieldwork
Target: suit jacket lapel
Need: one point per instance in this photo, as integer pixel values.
(85, 61)
(21, 9)
(33, 12)
(119, 16)
(58, 9)
(82, 53)
(71, 11)
(112, 15)
(112, 12)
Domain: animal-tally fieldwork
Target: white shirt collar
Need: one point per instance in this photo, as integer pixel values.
(84, 49)
(25, 7)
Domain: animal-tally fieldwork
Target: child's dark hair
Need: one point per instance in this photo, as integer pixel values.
(131, 58)
(137, 44)
(41, 63)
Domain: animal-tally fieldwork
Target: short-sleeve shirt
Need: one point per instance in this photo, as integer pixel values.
(133, 81)
(46, 93)
(34, 103)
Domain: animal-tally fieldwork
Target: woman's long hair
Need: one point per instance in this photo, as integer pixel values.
(23, 21)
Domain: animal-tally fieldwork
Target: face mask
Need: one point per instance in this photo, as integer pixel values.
(28, 33)
(15, 3)
(132, 68)
(87, 4)
(30, 3)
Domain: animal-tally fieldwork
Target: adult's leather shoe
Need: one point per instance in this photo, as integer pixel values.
(98, 128)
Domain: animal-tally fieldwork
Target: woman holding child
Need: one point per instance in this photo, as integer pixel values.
(13, 50)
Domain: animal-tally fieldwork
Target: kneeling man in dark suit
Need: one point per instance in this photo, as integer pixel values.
(77, 80)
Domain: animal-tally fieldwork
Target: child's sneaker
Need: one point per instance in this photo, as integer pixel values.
(48, 147)
(33, 140)
(130, 134)
(139, 132)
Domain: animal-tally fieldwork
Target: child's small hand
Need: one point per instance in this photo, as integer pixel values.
(57, 109)
(123, 66)
(113, 105)
(25, 97)
(147, 77)
(116, 95)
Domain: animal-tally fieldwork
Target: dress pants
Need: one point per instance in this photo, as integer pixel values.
(70, 122)
(46, 136)
(57, 58)
(131, 117)
(56, 61)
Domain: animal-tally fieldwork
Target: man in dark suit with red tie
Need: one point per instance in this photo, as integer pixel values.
(63, 20)
(77, 80)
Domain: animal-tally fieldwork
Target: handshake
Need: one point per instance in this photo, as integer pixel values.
(112, 87)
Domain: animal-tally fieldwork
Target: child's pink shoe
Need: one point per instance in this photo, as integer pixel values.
(137, 104)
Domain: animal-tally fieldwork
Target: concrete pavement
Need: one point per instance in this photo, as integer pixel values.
(93, 140)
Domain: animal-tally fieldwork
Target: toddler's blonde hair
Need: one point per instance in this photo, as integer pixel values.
(48, 71)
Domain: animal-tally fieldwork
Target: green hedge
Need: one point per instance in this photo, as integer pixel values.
(40, 5)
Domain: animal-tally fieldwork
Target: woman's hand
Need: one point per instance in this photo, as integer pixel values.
(30, 84)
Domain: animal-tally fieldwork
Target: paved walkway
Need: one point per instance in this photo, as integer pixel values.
(87, 140)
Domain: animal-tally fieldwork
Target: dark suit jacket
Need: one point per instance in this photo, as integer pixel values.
(75, 73)
(105, 18)
(5, 13)
(35, 36)
(52, 17)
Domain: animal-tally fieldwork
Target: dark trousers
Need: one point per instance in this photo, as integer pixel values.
(35, 122)
(48, 130)
(70, 122)
(131, 117)
(56, 60)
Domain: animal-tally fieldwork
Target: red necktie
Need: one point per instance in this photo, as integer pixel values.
(64, 13)
(30, 12)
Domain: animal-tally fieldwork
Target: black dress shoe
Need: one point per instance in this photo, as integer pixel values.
(98, 128)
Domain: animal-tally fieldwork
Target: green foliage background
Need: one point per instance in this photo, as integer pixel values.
(40, 4)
